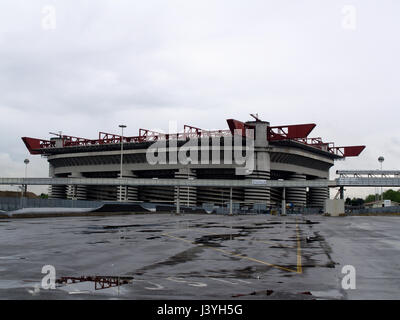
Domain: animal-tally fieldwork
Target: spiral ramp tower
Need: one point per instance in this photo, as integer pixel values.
(317, 197)
(257, 195)
(57, 192)
(127, 193)
(297, 196)
(276, 196)
(187, 195)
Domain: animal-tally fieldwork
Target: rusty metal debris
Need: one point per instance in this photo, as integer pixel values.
(100, 282)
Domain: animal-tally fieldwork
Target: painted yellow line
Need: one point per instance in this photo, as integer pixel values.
(299, 266)
(232, 254)
(177, 238)
(256, 240)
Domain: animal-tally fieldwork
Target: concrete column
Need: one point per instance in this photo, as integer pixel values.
(230, 202)
(262, 165)
(341, 190)
(178, 201)
(187, 195)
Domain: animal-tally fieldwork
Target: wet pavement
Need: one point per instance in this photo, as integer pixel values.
(202, 256)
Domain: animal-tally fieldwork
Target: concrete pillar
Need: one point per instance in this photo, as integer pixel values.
(230, 202)
(178, 201)
(262, 165)
(283, 211)
(187, 195)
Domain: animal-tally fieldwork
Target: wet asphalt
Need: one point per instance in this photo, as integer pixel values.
(203, 256)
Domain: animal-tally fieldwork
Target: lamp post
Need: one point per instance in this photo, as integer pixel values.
(26, 161)
(381, 159)
(24, 187)
(122, 126)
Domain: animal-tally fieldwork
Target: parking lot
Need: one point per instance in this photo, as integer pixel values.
(202, 256)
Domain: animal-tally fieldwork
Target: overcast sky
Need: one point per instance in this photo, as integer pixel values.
(96, 64)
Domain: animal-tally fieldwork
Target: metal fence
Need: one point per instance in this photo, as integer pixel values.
(10, 204)
(263, 209)
(393, 209)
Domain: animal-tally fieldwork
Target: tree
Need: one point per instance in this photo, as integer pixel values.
(392, 195)
(357, 202)
(387, 195)
(370, 198)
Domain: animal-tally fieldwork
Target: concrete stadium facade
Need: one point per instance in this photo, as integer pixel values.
(284, 157)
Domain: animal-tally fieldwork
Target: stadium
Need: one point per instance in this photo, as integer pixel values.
(284, 152)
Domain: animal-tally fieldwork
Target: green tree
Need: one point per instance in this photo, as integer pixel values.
(392, 195)
(357, 202)
(370, 198)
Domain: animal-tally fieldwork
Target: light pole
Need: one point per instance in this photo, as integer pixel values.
(122, 126)
(26, 161)
(381, 159)
(24, 187)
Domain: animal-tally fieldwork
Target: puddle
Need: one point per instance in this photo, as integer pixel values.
(209, 239)
(328, 294)
(181, 257)
(11, 258)
(99, 242)
(250, 227)
(131, 226)
(94, 232)
(12, 284)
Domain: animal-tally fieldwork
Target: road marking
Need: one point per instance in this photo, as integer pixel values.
(189, 283)
(224, 281)
(157, 286)
(244, 281)
(299, 266)
(234, 254)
